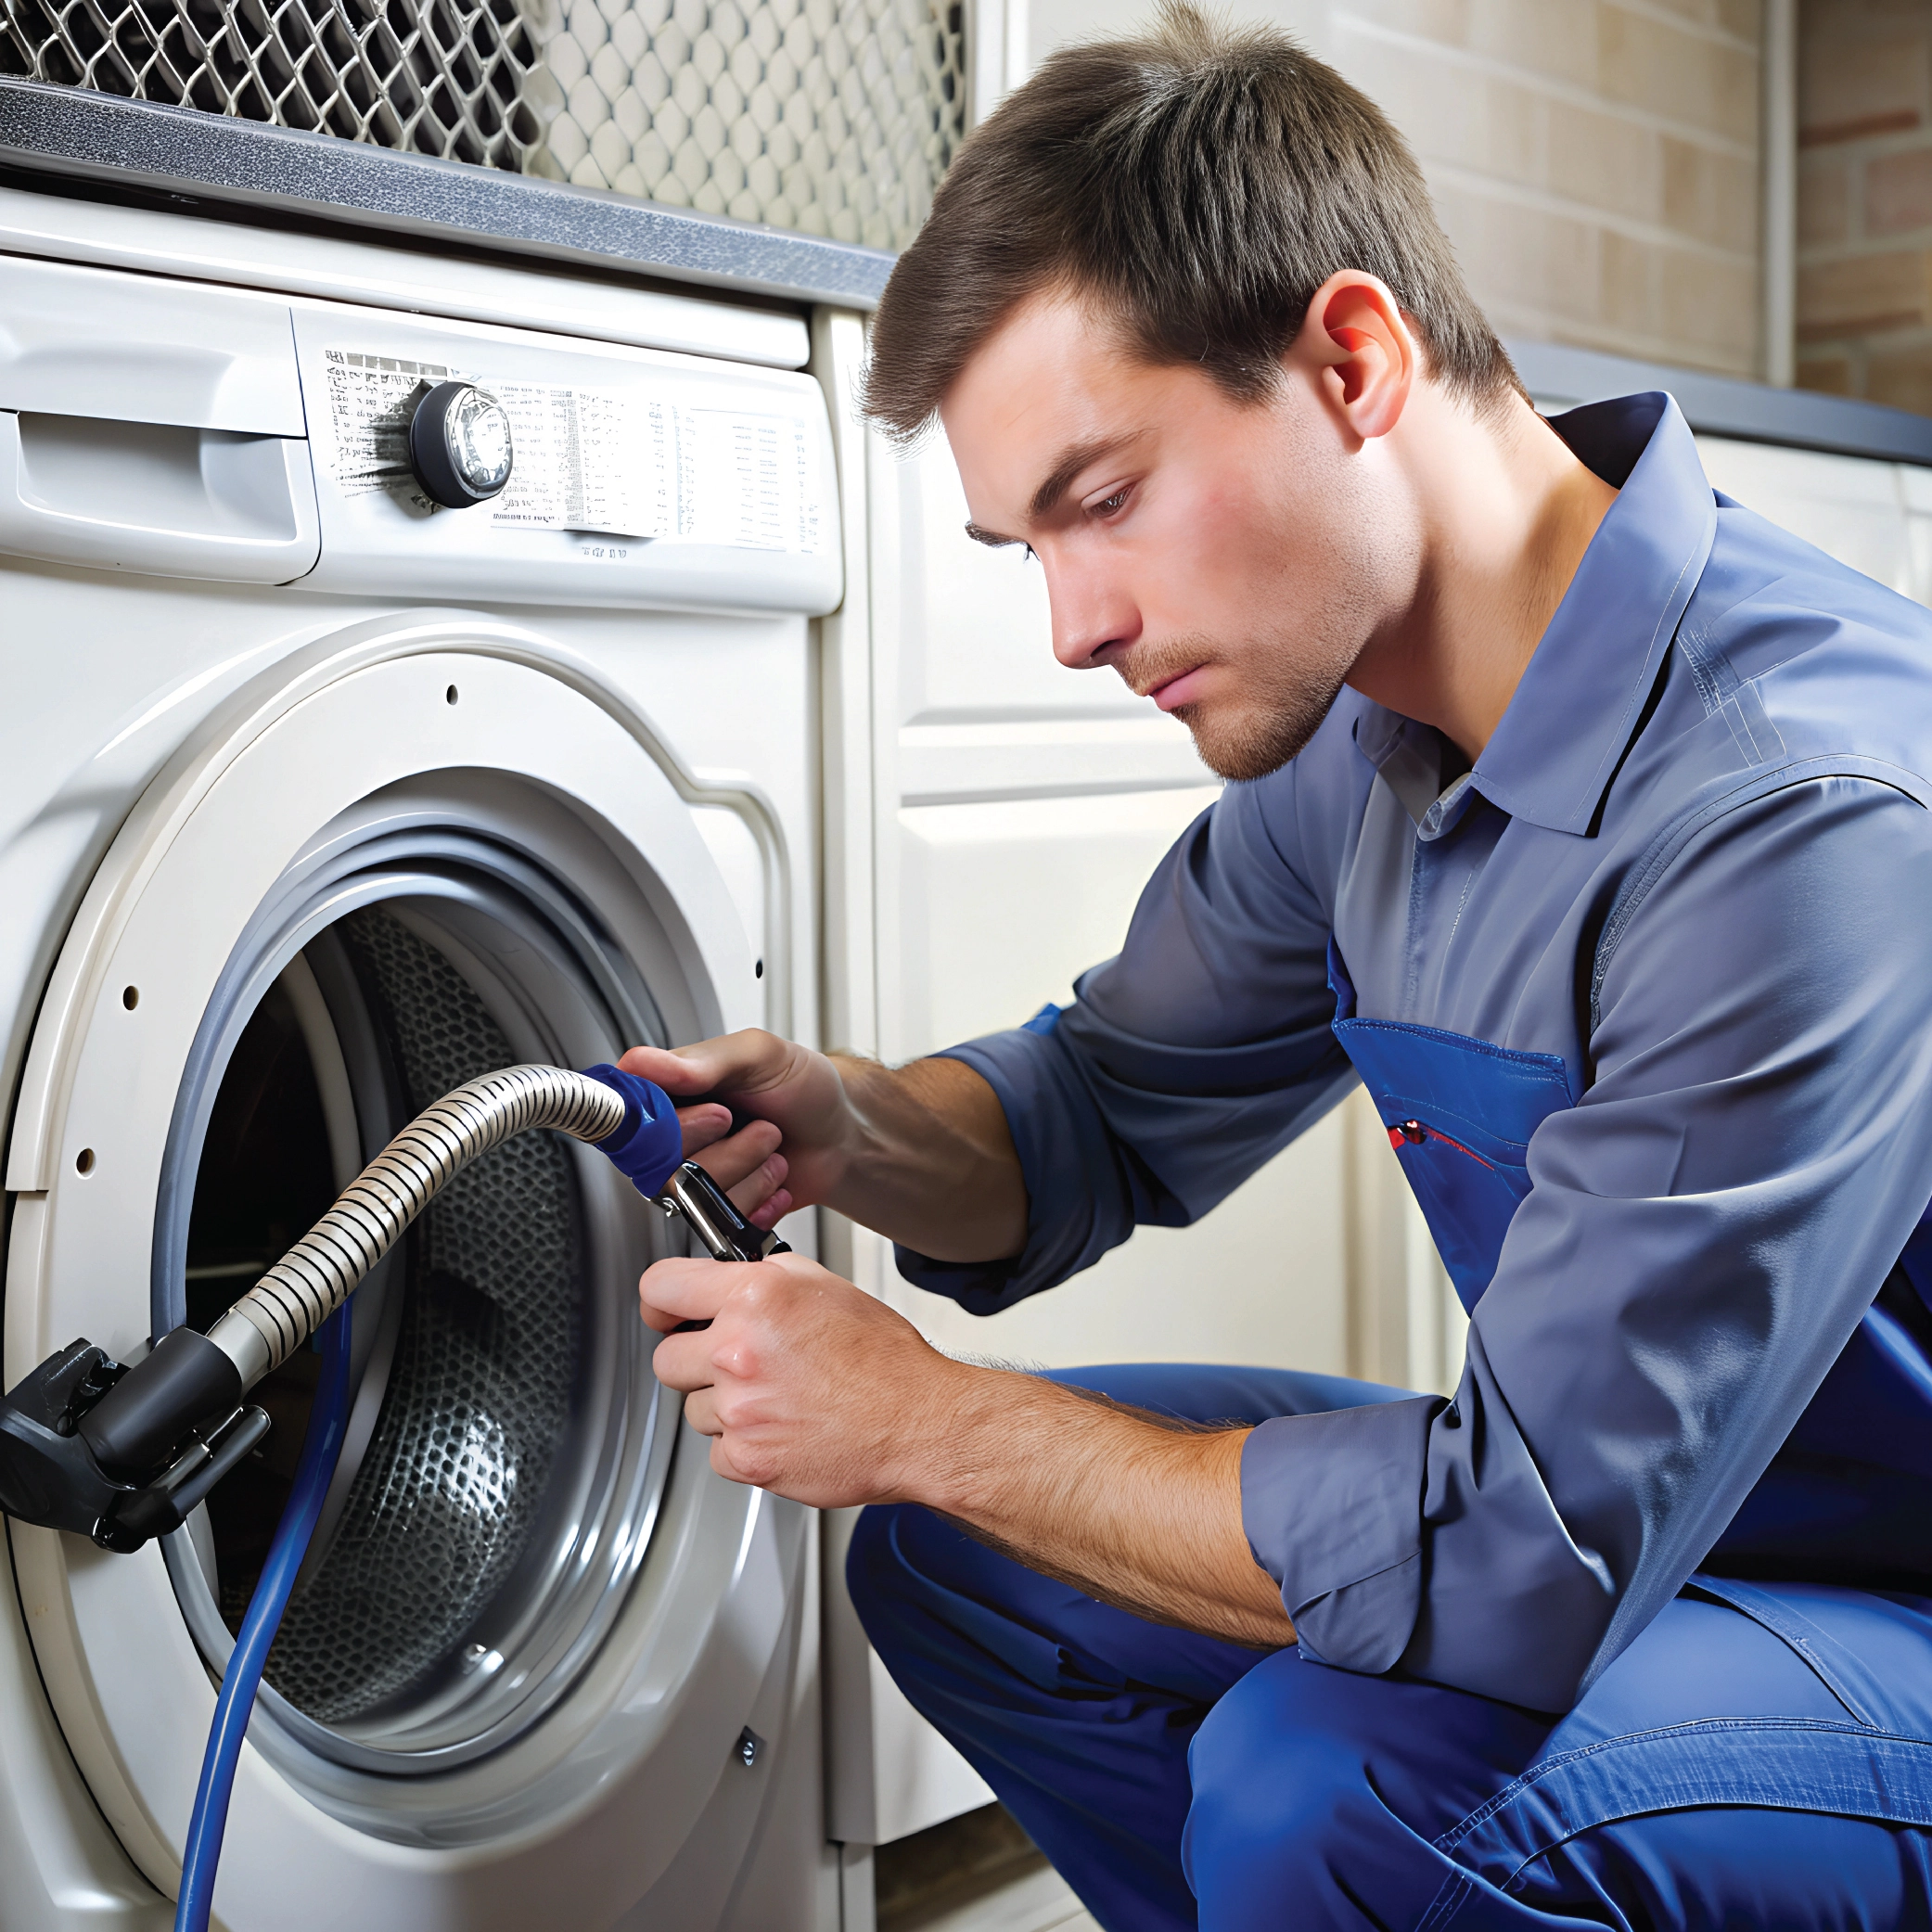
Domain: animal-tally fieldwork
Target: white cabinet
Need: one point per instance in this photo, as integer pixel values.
(1877, 516)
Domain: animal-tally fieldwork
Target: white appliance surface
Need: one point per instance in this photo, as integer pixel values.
(256, 691)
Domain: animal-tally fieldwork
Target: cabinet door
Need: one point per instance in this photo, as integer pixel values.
(1860, 511)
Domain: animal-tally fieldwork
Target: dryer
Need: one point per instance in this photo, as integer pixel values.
(316, 798)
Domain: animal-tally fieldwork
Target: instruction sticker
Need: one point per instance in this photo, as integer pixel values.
(748, 481)
(371, 400)
(588, 460)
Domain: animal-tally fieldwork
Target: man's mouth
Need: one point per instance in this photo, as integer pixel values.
(1171, 693)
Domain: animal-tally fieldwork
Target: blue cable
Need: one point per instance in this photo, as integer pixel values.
(322, 1445)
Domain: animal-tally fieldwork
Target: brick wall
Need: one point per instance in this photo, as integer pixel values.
(1864, 278)
(1595, 161)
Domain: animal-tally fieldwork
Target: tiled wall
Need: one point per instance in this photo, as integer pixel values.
(1864, 283)
(1595, 161)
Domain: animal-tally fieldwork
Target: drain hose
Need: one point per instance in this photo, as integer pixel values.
(192, 1381)
(630, 1120)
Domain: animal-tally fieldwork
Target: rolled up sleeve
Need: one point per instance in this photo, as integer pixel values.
(1332, 1504)
(1703, 1233)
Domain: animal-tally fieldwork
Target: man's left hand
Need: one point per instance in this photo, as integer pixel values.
(810, 1387)
(814, 1391)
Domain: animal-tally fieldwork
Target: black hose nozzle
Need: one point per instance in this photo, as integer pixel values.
(185, 1384)
(123, 1454)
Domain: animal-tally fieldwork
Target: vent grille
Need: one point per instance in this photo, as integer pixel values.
(430, 76)
(828, 117)
(831, 119)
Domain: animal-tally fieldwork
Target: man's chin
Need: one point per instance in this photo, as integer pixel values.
(1251, 743)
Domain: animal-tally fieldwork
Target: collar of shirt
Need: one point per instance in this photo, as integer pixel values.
(1582, 694)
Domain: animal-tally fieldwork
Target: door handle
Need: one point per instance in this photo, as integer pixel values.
(157, 498)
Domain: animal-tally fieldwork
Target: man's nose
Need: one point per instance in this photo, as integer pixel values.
(1093, 620)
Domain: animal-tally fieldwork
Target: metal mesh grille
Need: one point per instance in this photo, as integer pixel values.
(443, 77)
(833, 117)
(830, 117)
(478, 1395)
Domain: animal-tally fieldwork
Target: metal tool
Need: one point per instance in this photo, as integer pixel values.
(730, 1237)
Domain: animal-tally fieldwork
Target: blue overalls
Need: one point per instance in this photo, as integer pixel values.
(1759, 1755)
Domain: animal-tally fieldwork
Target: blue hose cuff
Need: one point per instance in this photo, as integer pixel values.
(649, 1146)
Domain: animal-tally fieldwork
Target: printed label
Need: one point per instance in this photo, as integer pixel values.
(587, 461)
(748, 483)
(625, 466)
(371, 398)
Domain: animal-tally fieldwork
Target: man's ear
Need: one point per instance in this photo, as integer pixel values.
(1358, 345)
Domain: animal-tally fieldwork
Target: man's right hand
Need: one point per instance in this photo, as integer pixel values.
(796, 1099)
(921, 1153)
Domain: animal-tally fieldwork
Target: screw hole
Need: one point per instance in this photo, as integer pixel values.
(130, 997)
(757, 972)
(84, 1161)
(449, 696)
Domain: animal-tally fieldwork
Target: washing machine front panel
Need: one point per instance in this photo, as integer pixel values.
(381, 745)
(178, 430)
(107, 677)
(174, 421)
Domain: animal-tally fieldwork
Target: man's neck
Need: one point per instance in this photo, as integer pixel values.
(1506, 513)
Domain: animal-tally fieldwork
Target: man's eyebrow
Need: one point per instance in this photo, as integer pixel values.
(1046, 499)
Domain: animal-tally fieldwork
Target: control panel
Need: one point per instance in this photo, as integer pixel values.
(459, 461)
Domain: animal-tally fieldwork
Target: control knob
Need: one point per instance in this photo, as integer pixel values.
(460, 444)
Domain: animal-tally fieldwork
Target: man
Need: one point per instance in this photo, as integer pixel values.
(1583, 816)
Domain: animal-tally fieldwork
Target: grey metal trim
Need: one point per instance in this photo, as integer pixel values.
(1718, 405)
(99, 137)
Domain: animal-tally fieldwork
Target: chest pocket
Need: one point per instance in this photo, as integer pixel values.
(1459, 1113)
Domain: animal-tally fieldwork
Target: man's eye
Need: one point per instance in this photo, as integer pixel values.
(1107, 505)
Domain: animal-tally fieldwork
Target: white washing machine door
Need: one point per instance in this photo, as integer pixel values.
(512, 1686)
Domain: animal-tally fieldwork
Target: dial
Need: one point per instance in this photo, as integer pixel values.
(460, 444)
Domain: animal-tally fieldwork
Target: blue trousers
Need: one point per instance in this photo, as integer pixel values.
(1758, 1758)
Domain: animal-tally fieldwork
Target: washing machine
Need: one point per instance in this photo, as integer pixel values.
(316, 798)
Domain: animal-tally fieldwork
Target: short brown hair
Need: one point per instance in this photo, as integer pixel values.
(1200, 184)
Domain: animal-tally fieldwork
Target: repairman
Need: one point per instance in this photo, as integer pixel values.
(1582, 816)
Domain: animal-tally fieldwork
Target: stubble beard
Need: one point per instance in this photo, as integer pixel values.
(1280, 710)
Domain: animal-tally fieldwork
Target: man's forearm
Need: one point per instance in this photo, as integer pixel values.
(931, 1162)
(822, 1393)
(1136, 1513)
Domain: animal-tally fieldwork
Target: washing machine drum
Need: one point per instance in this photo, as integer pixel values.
(472, 1366)
(534, 1628)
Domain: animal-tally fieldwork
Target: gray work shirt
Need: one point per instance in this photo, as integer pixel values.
(1694, 861)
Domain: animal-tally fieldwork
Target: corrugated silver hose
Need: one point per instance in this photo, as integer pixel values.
(314, 1279)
